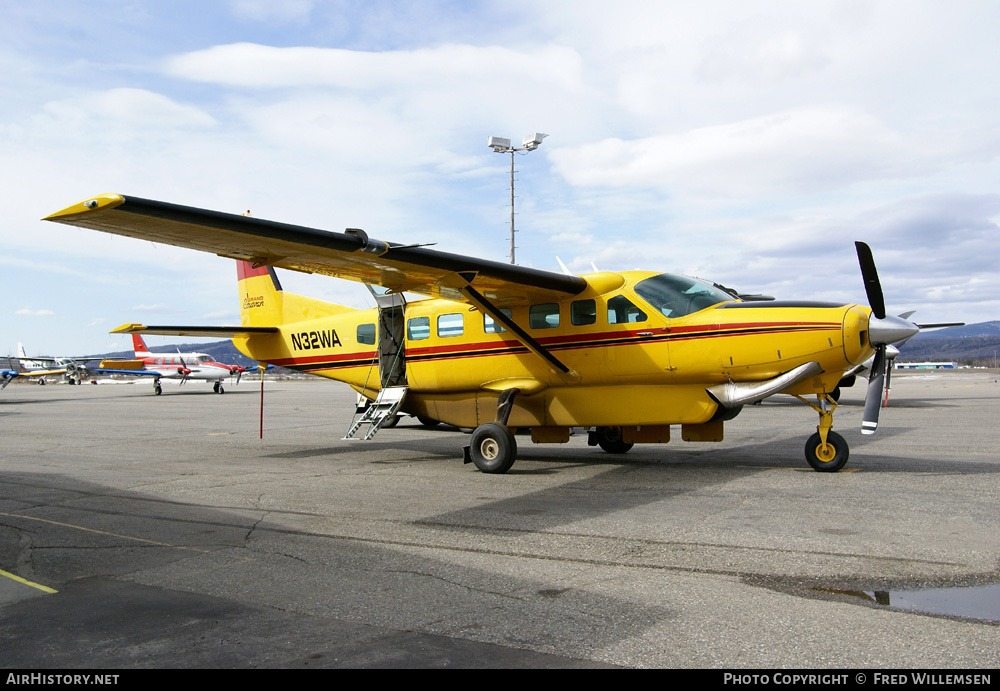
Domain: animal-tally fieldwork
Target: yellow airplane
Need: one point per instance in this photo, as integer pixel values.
(501, 348)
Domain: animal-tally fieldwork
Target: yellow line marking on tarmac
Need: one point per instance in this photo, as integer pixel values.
(104, 532)
(43, 588)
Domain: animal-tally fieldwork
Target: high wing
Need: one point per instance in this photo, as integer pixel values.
(350, 255)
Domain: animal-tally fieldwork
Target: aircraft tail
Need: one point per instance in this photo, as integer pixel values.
(264, 303)
(139, 346)
(20, 351)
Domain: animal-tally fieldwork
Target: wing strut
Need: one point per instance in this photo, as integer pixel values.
(520, 334)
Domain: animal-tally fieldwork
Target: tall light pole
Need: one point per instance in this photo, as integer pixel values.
(502, 146)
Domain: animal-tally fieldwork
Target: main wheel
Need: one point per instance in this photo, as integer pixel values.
(157, 389)
(391, 422)
(493, 448)
(829, 458)
(220, 389)
(610, 439)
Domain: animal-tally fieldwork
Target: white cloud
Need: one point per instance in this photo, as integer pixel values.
(28, 312)
(796, 151)
(439, 68)
(136, 108)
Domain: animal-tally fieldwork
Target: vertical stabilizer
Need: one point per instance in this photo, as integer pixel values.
(264, 303)
(139, 345)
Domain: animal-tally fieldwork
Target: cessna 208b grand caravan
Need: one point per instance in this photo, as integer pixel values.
(501, 348)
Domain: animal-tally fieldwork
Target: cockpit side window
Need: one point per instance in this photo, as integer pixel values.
(677, 296)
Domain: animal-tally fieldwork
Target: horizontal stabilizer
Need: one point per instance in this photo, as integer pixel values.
(196, 331)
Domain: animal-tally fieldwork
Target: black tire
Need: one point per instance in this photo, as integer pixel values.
(493, 448)
(610, 439)
(157, 390)
(220, 389)
(428, 421)
(822, 462)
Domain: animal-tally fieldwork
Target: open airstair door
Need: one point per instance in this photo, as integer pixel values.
(391, 330)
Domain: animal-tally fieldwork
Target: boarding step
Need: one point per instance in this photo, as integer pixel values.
(378, 412)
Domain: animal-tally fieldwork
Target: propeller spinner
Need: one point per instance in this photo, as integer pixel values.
(882, 332)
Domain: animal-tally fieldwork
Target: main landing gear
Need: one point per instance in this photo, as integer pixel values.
(218, 387)
(493, 448)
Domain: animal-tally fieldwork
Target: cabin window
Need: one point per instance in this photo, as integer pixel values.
(621, 310)
(583, 312)
(418, 328)
(450, 325)
(544, 316)
(492, 327)
(366, 334)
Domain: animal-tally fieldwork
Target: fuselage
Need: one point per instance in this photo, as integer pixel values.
(640, 349)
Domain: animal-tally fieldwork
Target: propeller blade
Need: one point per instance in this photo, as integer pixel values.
(942, 325)
(873, 287)
(873, 399)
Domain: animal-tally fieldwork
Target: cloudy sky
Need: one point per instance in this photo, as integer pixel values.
(746, 142)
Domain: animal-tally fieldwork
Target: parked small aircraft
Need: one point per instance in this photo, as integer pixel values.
(72, 370)
(500, 347)
(183, 366)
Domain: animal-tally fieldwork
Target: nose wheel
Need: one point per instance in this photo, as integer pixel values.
(829, 456)
(826, 451)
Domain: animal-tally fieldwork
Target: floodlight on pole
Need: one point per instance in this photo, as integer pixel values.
(502, 145)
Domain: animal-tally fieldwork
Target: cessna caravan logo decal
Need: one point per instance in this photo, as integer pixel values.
(255, 301)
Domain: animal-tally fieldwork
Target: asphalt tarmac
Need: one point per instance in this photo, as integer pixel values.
(168, 535)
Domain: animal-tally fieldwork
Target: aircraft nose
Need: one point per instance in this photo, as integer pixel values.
(890, 329)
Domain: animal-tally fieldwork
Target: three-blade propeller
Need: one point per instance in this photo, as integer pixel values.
(882, 332)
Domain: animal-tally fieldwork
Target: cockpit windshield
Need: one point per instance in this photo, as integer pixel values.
(677, 296)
